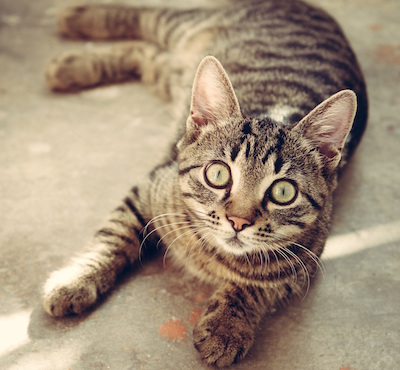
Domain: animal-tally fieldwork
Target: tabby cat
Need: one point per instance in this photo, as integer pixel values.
(244, 200)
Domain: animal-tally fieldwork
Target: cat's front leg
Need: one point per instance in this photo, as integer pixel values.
(226, 330)
(116, 245)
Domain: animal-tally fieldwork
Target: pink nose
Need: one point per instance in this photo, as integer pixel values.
(238, 223)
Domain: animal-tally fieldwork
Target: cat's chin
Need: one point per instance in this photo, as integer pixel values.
(234, 246)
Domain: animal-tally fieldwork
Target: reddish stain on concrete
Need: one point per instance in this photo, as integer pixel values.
(389, 54)
(194, 316)
(174, 329)
(347, 368)
(200, 297)
(376, 27)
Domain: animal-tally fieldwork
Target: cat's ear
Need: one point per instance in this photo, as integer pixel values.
(328, 125)
(213, 98)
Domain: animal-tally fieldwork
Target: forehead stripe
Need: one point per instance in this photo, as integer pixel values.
(278, 164)
(248, 149)
(235, 152)
(269, 152)
(279, 142)
(247, 128)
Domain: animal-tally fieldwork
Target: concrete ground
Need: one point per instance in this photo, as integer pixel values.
(67, 159)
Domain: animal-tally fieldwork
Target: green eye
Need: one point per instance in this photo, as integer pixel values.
(283, 192)
(217, 175)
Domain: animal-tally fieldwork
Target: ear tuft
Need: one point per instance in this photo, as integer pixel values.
(213, 97)
(328, 125)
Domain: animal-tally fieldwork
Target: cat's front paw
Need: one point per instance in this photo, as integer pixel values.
(222, 338)
(69, 291)
(73, 70)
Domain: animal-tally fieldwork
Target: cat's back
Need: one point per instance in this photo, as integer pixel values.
(285, 57)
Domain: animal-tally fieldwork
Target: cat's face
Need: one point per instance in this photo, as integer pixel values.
(252, 185)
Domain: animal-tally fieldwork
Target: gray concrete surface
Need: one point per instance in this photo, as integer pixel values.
(66, 160)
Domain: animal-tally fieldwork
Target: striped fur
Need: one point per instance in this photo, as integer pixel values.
(266, 113)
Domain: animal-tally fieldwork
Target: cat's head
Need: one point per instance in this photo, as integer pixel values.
(252, 184)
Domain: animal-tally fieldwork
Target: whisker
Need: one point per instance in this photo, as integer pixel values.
(156, 230)
(292, 267)
(261, 261)
(165, 215)
(196, 233)
(204, 239)
(311, 254)
(304, 267)
(162, 227)
(277, 261)
(247, 259)
(267, 260)
(171, 232)
(177, 238)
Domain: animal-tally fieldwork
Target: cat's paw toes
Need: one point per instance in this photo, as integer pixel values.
(73, 70)
(222, 341)
(67, 292)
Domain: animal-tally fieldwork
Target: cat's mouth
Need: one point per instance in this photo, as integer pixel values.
(236, 243)
(233, 245)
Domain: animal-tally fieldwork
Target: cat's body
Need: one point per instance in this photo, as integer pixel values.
(244, 201)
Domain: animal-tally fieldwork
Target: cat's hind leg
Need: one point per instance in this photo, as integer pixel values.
(107, 22)
(167, 42)
(99, 22)
(79, 69)
(163, 26)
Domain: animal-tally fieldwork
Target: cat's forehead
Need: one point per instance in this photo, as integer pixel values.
(259, 127)
(260, 131)
(255, 147)
(258, 141)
